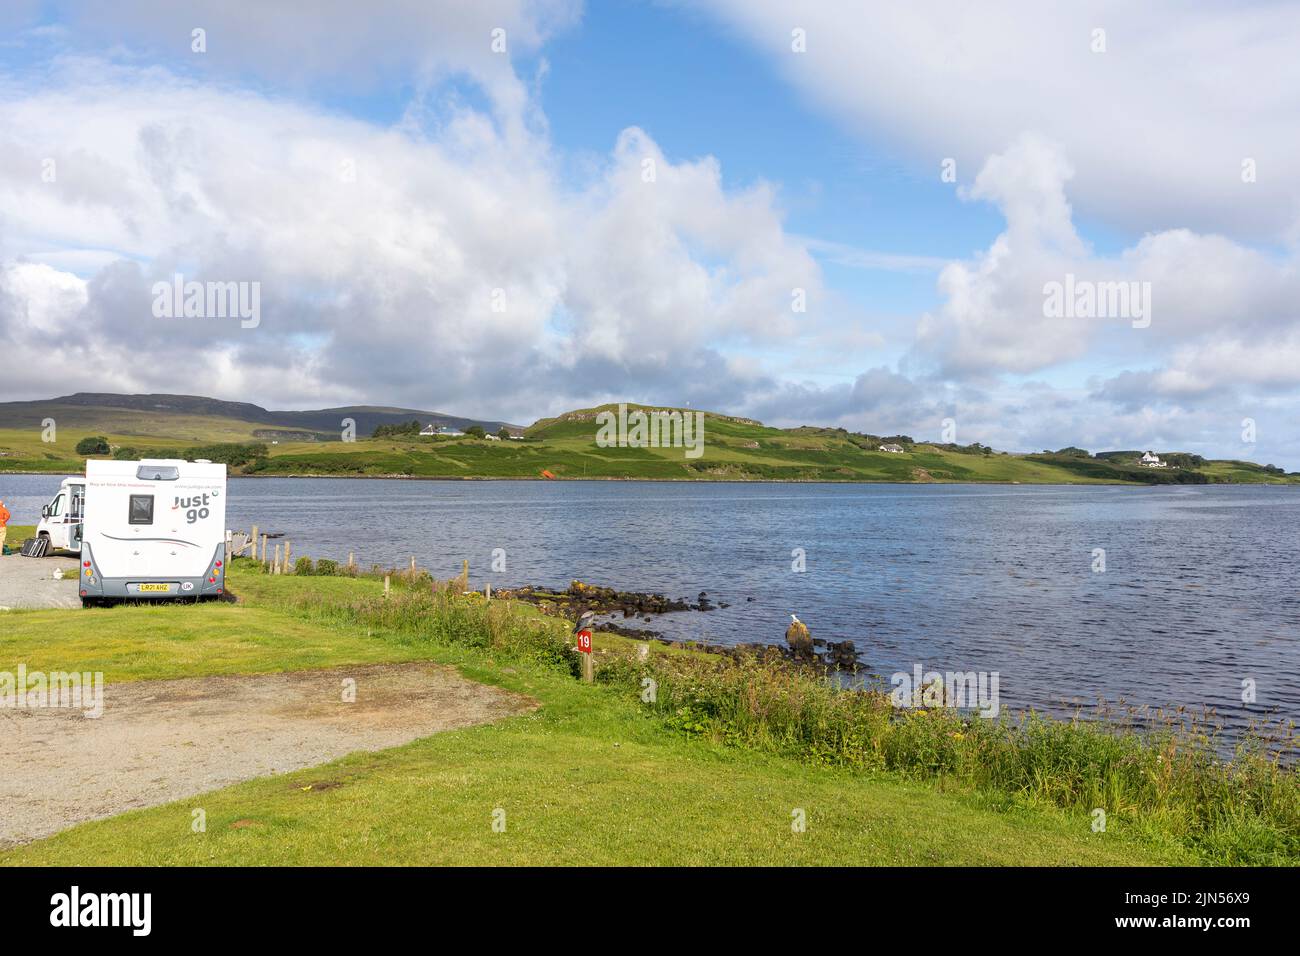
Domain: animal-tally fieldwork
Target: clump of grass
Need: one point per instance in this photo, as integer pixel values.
(438, 616)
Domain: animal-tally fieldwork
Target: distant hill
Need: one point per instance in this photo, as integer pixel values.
(101, 410)
(255, 440)
(581, 418)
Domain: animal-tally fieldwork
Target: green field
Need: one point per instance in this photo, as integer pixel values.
(733, 450)
(588, 778)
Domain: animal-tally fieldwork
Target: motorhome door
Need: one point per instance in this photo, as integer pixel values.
(56, 517)
(76, 516)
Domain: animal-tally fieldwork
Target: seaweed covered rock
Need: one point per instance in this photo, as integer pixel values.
(800, 641)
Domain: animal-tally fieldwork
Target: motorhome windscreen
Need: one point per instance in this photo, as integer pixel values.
(158, 473)
(141, 509)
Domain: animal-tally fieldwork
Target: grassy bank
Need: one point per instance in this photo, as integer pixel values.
(1169, 779)
(711, 772)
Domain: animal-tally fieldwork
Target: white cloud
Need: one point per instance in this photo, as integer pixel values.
(1157, 126)
(1205, 291)
(381, 252)
(330, 44)
(380, 248)
(992, 318)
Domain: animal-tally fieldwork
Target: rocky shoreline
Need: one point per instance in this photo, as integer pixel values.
(579, 596)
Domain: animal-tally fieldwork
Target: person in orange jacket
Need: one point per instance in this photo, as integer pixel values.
(4, 524)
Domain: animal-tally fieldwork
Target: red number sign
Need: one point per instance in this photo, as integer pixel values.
(584, 641)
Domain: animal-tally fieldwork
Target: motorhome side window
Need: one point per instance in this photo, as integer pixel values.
(141, 509)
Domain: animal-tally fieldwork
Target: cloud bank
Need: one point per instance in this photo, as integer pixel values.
(453, 259)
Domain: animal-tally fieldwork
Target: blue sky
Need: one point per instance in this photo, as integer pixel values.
(699, 91)
(477, 174)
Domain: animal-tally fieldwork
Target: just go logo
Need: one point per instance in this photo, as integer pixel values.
(197, 506)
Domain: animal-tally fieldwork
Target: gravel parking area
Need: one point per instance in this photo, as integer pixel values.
(159, 741)
(30, 582)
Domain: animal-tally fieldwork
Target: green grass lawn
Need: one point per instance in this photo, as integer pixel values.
(16, 534)
(178, 640)
(587, 778)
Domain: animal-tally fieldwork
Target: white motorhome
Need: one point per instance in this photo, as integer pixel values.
(61, 518)
(153, 529)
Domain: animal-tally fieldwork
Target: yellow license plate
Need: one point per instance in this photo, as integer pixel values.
(154, 587)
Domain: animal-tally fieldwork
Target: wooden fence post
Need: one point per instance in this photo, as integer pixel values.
(288, 561)
(385, 585)
(254, 542)
(275, 566)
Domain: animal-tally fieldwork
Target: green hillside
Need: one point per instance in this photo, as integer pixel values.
(733, 449)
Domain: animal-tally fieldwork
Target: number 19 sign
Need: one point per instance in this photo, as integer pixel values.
(588, 662)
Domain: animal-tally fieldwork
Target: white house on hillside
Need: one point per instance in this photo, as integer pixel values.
(1151, 460)
(892, 448)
